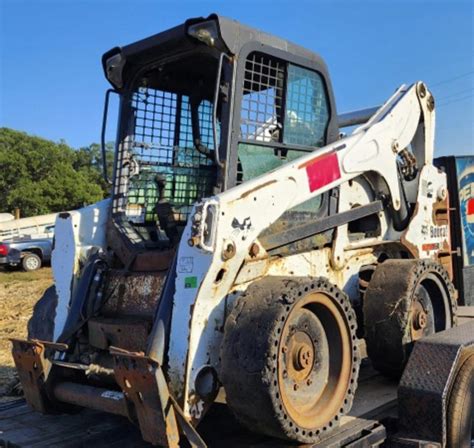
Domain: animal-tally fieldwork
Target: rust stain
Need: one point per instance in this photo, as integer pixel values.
(441, 212)
(253, 190)
(445, 259)
(153, 260)
(133, 293)
(129, 334)
(412, 249)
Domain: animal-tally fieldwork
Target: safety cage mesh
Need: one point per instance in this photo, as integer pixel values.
(158, 153)
(284, 114)
(283, 103)
(262, 99)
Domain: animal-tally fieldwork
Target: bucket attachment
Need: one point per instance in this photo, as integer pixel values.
(145, 399)
(144, 386)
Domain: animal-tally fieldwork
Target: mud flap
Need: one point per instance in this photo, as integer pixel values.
(146, 391)
(34, 366)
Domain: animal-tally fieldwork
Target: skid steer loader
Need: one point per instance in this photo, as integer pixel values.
(247, 246)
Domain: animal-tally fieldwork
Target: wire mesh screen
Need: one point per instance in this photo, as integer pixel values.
(261, 108)
(280, 98)
(307, 111)
(159, 160)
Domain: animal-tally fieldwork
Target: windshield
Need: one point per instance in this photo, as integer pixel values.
(167, 150)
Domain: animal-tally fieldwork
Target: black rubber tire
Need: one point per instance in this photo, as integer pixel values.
(387, 310)
(41, 323)
(250, 351)
(27, 259)
(460, 416)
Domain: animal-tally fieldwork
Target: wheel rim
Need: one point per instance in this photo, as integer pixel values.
(32, 263)
(313, 375)
(430, 308)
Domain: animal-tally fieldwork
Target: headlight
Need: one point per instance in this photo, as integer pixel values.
(114, 66)
(206, 32)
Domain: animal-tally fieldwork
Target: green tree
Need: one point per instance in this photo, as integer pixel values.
(40, 176)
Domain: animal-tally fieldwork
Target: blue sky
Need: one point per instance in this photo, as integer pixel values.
(51, 81)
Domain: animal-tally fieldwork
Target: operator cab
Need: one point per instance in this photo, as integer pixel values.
(203, 107)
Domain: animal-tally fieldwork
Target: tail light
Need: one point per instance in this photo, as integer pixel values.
(3, 250)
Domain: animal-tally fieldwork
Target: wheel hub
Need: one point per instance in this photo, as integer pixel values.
(305, 357)
(301, 356)
(420, 320)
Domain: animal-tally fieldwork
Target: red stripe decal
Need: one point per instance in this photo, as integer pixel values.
(322, 171)
(429, 247)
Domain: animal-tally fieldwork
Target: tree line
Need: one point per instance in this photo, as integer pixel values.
(40, 176)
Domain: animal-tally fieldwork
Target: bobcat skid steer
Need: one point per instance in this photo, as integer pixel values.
(247, 246)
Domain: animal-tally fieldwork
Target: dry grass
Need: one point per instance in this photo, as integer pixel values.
(19, 291)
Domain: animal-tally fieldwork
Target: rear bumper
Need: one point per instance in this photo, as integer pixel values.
(10, 260)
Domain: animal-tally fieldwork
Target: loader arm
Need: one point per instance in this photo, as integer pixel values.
(223, 228)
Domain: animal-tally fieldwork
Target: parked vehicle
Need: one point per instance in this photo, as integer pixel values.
(29, 253)
(35, 227)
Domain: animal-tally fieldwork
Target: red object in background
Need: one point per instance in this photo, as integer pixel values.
(323, 171)
(470, 207)
(3, 250)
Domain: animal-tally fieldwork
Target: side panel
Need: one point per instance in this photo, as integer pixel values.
(465, 179)
(75, 233)
(460, 172)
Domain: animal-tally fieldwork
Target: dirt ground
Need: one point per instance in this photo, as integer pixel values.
(19, 291)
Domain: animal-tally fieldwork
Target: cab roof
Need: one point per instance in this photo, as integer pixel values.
(121, 63)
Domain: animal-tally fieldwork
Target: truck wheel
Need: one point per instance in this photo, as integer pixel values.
(290, 357)
(405, 301)
(41, 323)
(461, 407)
(31, 262)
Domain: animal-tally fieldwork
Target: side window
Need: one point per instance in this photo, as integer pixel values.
(284, 115)
(262, 101)
(282, 105)
(307, 111)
